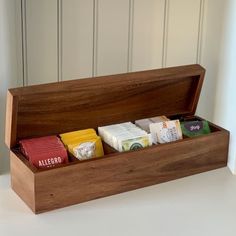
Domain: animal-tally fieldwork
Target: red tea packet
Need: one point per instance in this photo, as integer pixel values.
(44, 152)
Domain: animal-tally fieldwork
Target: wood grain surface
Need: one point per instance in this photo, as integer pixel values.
(128, 171)
(11, 120)
(23, 180)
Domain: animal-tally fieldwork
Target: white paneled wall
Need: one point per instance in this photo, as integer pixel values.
(76, 32)
(41, 46)
(10, 66)
(182, 29)
(66, 39)
(147, 38)
(112, 36)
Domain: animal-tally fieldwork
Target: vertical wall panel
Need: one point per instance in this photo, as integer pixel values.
(182, 32)
(10, 66)
(77, 38)
(41, 49)
(112, 36)
(148, 26)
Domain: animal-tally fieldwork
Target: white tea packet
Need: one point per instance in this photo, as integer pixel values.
(165, 132)
(145, 123)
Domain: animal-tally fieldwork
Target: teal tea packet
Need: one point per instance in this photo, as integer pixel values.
(195, 128)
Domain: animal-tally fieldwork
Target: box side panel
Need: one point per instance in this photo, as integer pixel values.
(90, 180)
(11, 120)
(22, 181)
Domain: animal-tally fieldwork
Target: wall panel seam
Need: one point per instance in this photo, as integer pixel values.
(200, 31)
(130, 36)
(59, 40)
(24, 42)
(95, 38)
(165, 33)
(19, 43)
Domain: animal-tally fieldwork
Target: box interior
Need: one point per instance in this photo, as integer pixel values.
(108, 150)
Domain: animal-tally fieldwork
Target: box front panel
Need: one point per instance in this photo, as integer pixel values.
(127, 171)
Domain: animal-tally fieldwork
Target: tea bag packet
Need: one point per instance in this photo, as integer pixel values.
(165, 132)
(44, 152)
(109, 132)
(145, 123)
(195, 128)
(67, 137)
(125, 136)
(83, 144)
(86, 148)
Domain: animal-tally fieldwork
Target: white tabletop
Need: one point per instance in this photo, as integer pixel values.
(200, 205)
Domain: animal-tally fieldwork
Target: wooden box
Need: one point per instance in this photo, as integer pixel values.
(55, 108)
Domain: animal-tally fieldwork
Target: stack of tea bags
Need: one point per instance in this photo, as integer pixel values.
(125, 136)
(166, 131)
(161, 128)
(83, 144)
(195, 128)
(145, 123)
(44, 152)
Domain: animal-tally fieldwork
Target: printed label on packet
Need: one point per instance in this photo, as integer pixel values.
(85, 150)
(134, 143)
(50, 162)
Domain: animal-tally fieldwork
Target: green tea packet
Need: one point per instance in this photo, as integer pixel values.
(195, 128)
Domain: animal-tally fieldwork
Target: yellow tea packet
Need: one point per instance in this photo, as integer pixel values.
(73, 134)
(87, 148)
(83, 144)
(77, 139)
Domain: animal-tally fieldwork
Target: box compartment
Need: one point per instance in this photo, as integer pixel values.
(55, 108)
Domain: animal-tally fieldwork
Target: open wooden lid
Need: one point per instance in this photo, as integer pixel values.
(56, 108)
